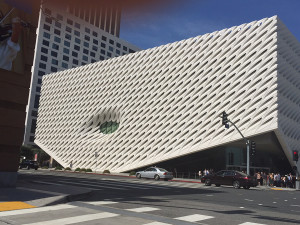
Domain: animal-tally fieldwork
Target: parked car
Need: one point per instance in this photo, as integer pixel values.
(29, 164)
(230, 177)
(155, 173)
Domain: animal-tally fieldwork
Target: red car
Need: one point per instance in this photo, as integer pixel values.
(230, 177)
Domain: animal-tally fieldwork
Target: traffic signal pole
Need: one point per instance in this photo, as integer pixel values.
(247, 144)
(225, 122)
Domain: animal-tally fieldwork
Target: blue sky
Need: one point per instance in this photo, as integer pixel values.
(190, 18)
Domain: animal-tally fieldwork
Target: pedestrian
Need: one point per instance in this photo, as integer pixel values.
(200, 174)
(284, 181)
(264, 176)
(261, 179)
(275, 180)
(278, 181)
(271, 179)
(258, 177)
(289, 180)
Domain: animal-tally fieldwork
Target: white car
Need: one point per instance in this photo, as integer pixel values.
(155, 173)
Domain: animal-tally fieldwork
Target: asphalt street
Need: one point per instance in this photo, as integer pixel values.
(125, 200)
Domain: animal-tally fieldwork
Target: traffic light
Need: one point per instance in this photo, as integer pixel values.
(295, 156)
(253, 148)
(225, 119)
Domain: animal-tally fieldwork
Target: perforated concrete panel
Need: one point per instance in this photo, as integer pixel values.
(167, 100)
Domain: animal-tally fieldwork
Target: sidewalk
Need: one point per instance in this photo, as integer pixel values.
(255, 188)
(37, 194)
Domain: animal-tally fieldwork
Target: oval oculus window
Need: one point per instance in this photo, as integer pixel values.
(109, 127)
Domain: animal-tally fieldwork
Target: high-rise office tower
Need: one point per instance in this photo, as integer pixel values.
(68, 37)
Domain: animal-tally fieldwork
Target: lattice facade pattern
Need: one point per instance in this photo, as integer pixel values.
(167, 100)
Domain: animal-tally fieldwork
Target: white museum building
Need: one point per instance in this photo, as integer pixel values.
(162, 104)
(69, 37)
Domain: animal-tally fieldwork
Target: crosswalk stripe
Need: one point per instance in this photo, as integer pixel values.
(43, 182)
(91, 185)
(35, 210)
(40, 191)
(152, 184)
(127, 184)
(76, 219)
(112, 184)
(157, 223)
(143, 209)
(100, 203)
(194, 218)
(249, 223)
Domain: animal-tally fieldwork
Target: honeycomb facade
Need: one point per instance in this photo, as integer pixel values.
(166, 102)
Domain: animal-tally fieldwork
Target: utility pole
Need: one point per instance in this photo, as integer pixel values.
(225, 122)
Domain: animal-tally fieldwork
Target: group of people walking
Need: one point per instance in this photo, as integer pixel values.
(265, 179)
(275, 179)
(205, 172)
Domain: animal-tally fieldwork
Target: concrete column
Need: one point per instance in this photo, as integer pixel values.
(50, 162)
(8, 179)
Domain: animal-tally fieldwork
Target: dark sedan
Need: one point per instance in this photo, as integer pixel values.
(230, 177)
(29, 164)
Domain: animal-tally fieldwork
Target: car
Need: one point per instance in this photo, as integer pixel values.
(154, 173)
(230, 177)
(29, 164)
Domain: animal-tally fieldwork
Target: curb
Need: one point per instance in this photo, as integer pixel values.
(69, 198)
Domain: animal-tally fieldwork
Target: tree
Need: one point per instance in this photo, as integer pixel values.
(29, 152)
(26, 151)
(42, 156)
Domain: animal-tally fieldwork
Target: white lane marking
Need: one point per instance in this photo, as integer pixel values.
(248, 200)
(100, 202)
(115, 184)
(296, 205)
(41, 191)
(152, 184)
(157, 223)
(260, 204)
(285, 200)
(295, 211)
(194, 218)
(242, 207)
(91, 185)
(249, 223)
(35, 210)
(76, 219)
(274, 202)
(209, 195)
(43, 182)
(125, 184)
(143, 209)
